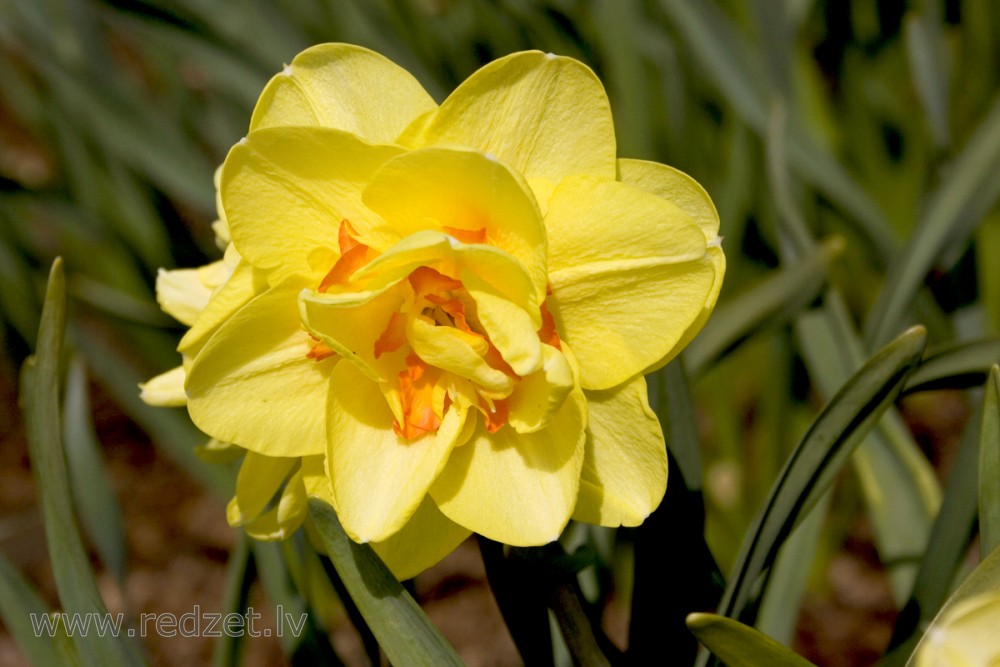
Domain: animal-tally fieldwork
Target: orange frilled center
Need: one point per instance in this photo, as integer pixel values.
(424, 397)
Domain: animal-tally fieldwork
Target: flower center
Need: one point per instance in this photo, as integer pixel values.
(443, 350)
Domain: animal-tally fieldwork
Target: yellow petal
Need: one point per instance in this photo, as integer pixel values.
(471, 263)
(539, 396)
(258, 480)
(345, 87)
(244, 284)
(181, 294)
(166, 390)
(674, 186)
(459, 189)
(379, 480)
(966, 636)
(509, 326)
(426, 538)
(286, 516)
(677, 187)
(629, 272)
(519, 489)
(287, 189)
(625, 467)
(444, 348)
(316, 478)
(546, 116)
(253, 385)
(350, 323)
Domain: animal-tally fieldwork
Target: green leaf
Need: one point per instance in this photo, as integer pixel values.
(946, 550)
(739, 645)
(772, 302)
(726, 61)
(929, 67)
(818, 459)
(19, 604)
(888, 459)
(989, 467)
(403, 630)
(74, 579)
(957, 366)
(93, 493)
(969, 189)
(240, 572)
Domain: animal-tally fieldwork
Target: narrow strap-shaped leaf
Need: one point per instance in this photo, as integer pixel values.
(818, 458)
(771, 302)
(93, 494)
(714, 43)
(406, 634)
(929, 69)
(971, 186)
(989, 467)
(946, 549)
(239, 577)
(74, 579)
(957, 366)
(21, 609)
(739, 645)
(888, 459)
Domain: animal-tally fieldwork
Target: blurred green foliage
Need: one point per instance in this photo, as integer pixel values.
(852, 149)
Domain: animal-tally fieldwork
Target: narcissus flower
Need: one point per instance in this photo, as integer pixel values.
(438, 318)
(965, 637)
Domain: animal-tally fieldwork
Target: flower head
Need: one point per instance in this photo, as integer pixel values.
(439, 317)
(966, 636)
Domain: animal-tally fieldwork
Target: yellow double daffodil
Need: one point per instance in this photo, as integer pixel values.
(966, 636)
(438, 318)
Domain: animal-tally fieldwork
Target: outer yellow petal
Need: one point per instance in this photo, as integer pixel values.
(350, 323)
(675, 186)
(538, 397)
(345, 87)
(258, 480)
(379, 480)
(426, 538)
(630, 273)
(166, 389)
(439, 188)
(284, 518)
(515, 488)
(286, 191)
(244, 284)
(181, 294)
(625, 467)
(316, 478)
(965, 637)
(546, 116)
(253, 385)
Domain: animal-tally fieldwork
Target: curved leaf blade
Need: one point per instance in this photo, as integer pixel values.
(989, 467)
(739, 645)
(818, 458)
(403, 630)
(75, 581)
